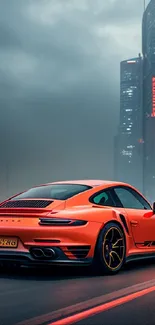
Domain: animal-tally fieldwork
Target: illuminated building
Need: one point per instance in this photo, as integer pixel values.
(148, 44)
(129, 141)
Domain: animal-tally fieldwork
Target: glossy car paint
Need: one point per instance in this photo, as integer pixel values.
(23, 224)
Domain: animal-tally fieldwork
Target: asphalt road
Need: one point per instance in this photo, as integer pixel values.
(30, 296)
(138, 312)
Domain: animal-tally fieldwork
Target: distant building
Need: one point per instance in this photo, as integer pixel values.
(129, 140)
(148, 48)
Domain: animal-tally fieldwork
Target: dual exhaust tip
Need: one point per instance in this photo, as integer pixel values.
(43, 253)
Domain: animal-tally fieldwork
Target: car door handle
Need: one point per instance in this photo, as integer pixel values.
(134, 222)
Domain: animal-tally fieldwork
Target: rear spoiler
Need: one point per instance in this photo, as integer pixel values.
(25, 212)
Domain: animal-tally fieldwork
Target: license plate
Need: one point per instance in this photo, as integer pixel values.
(8, 242)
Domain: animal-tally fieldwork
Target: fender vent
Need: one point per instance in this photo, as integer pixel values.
(124, 223)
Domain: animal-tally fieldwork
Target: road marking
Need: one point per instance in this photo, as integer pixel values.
(89, 304)
(99, 309)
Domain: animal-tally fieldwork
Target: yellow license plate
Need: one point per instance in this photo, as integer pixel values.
(8, 242)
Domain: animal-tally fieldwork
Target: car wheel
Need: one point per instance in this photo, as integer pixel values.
(110, 250)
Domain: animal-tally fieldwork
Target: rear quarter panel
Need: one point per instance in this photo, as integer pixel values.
(97, 215)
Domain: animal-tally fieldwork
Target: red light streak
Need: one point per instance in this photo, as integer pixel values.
(99, 309)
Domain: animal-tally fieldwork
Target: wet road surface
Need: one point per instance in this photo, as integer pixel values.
(35, 294)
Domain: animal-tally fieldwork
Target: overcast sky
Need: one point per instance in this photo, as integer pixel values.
(59, 86)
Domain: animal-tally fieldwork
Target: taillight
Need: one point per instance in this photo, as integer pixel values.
(61, 222)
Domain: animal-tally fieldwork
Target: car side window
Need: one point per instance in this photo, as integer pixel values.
(104, 198)
(130, 199)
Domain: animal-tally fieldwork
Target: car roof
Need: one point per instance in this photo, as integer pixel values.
(88, 182)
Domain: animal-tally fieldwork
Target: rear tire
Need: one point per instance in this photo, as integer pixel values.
(110, 250)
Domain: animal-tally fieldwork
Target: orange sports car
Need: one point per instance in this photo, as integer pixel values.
(96, 222)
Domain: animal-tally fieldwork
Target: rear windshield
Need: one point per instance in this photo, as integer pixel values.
(55, 191)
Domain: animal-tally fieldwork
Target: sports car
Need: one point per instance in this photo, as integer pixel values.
(89, 222)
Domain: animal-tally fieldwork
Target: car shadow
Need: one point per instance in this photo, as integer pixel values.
(68, 273)
(46, 274)
(141, 264)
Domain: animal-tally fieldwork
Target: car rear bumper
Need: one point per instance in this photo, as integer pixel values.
(27, 259)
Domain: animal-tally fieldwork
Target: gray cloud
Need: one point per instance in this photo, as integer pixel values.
(59, 86)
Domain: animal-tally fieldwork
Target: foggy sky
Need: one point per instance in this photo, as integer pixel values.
(59, 87)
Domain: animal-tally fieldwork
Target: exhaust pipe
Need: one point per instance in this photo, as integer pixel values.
(37, 252)
(43, 253)
(49, 252)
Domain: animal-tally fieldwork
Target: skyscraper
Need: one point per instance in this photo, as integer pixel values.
(148, 48)
(129, 140)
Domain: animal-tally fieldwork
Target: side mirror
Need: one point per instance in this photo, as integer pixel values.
(153, 207)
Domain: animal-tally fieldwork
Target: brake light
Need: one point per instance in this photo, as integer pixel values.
(61, 222)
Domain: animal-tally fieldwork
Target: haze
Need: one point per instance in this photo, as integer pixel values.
(59, 87)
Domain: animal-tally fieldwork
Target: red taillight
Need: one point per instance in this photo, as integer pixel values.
(60, 222)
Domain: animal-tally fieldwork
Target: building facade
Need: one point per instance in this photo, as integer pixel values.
(129, 140)
(148, 48)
